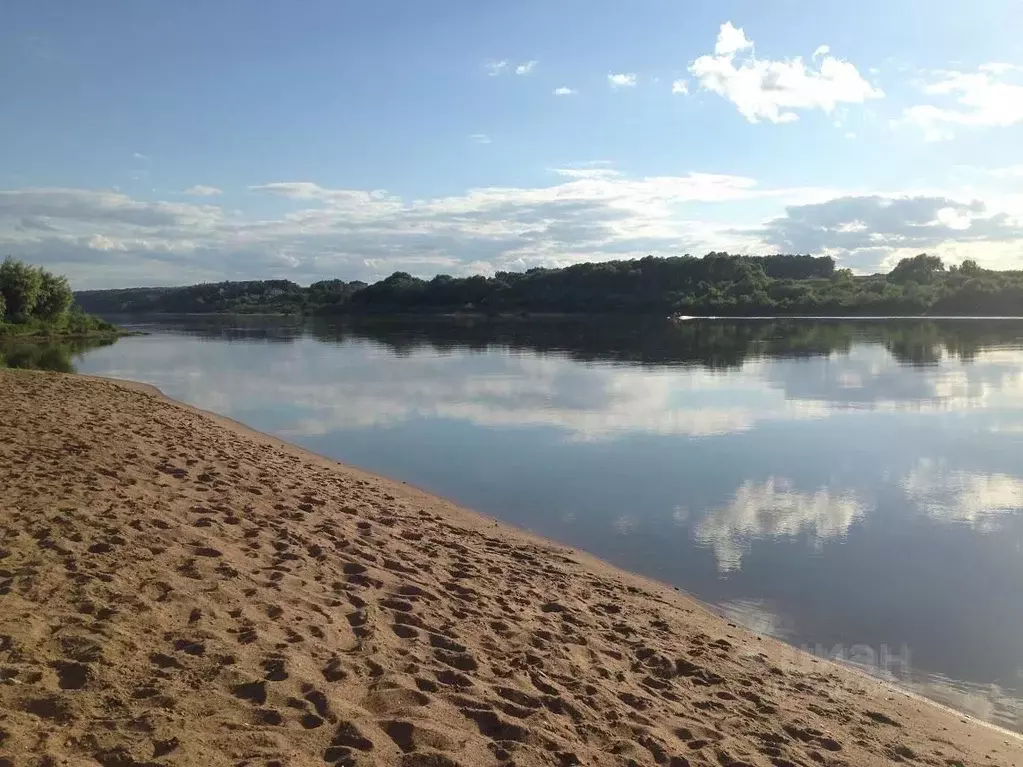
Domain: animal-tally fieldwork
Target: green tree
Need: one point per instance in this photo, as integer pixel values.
(55, 296)
(20, 285)
(922, 269)
(970, 267)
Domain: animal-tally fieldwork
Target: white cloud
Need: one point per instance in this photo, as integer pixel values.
(587, 172)
(100, 242)
(731, 40)
(479, 138)
(822, 50)
(622, 80)
(962, 496)
(139, 156)
(869, 232)
(1011, 171)
(872, 377)
(762, 89)
(605, 401)
(201, 190)
(773, 509)
(495, 68)
(680, 87)
(98, 207)
(564, 90)
(991, 97)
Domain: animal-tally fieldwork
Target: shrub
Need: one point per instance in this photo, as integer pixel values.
(55, 296)
(20, 285)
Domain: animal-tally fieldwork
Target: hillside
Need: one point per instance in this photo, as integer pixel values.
(717, 284)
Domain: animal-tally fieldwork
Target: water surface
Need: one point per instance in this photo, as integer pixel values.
(854, 487)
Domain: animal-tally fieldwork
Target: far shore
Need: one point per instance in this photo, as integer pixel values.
(178, 588)
(581, 316)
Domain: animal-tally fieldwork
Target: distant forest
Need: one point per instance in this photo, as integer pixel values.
(718, 284)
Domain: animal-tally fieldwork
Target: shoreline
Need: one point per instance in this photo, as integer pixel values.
(582, 316)
(39, 336)
(668, 589)
(742, 698)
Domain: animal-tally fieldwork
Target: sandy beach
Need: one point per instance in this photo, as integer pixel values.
(178, 589)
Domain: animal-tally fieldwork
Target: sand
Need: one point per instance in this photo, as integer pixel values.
(178, 589)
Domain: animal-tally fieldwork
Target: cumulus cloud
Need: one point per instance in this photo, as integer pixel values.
(869, 232)
(526, 67)
(680, 87)
(564, 90)
(991, 97)
(961, 496)
(773, 509)
(622, 80)
(872, 376)
(731, 40)
(763, 89)
(201, 190)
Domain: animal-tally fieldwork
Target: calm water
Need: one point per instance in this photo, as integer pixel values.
(855, 487)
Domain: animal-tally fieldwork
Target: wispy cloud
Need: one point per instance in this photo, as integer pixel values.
(139, 156)
(1011, 171)
(680, 87)
(479, 138)
(622, 80)
(495, 68)
(564, 90)
(201, 190)
(775, 91)
(991, 97)
(587, 172)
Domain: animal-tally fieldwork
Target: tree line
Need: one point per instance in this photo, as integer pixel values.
(718, 284)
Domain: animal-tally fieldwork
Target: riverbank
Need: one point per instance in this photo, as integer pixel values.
(92, 329)
(179, 589)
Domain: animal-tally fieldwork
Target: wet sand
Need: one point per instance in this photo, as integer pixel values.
(178, 589)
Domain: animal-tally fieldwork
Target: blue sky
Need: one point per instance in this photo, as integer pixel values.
(167, 143)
